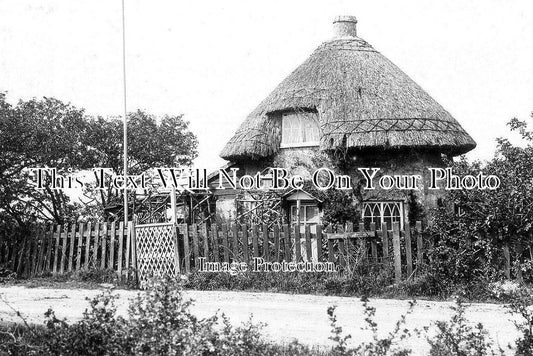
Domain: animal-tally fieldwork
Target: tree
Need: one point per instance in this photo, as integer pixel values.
(39, 133)
(508, 209)
(152, 142)
(468, 244)
(50, 133)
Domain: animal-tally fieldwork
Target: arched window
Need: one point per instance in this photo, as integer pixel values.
(299, 129)
(385, 211)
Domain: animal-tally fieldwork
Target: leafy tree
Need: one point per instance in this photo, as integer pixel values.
(468, 241)
(39, 133)
(152, 142)
(507, 210)
(49, 133)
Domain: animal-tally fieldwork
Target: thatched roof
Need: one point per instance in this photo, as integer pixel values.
(362, 99)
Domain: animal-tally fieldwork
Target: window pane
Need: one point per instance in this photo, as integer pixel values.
(379, 212)
(299, 128)
(293, 213)
(311, 213)
(311, 130)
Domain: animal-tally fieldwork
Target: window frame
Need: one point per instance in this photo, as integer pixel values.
(304, 206)
(381, 205)
(299, 119)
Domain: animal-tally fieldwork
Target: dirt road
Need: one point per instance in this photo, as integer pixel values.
(288, 316)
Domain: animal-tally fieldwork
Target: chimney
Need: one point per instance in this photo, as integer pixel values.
(345, 26)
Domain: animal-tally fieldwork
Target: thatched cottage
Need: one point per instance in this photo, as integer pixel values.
(347, 106)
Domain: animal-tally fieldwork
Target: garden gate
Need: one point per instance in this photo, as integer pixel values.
(157, 251)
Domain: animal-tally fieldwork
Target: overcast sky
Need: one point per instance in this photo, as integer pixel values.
(214, 61)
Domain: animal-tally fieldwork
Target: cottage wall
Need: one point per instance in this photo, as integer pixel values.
(304, 161)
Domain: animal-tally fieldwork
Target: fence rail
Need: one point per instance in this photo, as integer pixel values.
(62, 249)
(67, 248)
(346, 247)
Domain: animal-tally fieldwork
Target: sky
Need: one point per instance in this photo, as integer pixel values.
(214, 61)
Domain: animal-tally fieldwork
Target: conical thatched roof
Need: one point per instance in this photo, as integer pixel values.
(362, 99)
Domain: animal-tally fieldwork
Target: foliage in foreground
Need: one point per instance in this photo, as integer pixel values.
(159, 322)
(458, 337)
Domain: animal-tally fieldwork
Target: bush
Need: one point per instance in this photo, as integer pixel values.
(160, 323)
(521, 305)
(458, 338)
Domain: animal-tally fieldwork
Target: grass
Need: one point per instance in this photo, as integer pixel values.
(84, 279)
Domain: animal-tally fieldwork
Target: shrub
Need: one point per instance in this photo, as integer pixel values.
(521, 305)
(388, 345)
(458, 338)
(160, 323)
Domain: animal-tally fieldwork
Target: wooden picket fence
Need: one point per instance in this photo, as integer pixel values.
(344, 246)
(63, 249)
(68, 248)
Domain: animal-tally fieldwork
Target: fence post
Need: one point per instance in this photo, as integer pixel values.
(276, 243)
(287, 242)
(103, 254)
(177, 267)
(225, 242)
(111, 263)
(319, 252)
(419, 244)
(266, 254)
(214, 241)
(297, 242)
(331, 252)
(130, 226)
(80, 244)
(71, 246)
(56, 250)
(96, 243)
(385, 243)
(64, 236)
(50, 243)
(373, 243)
(131, 232)
(235, 237)
(342, 249)
(206, 241)
(88, 245)
(40, 260)
(397, 255)
(195, 246)
(245, 240)
(120, 256)
(34, 253)
(255, 242)
(408, 252)
(308, 249)
(186, 249)
(362, 242)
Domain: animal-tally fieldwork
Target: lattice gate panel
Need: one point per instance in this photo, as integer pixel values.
(157, 251)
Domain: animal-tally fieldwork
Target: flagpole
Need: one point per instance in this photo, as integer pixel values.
(125, 144)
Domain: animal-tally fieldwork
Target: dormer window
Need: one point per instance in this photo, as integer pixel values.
(299, 129)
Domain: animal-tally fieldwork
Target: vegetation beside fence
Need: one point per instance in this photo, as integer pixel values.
(344, 246)
(112, 246)
(59, 249)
